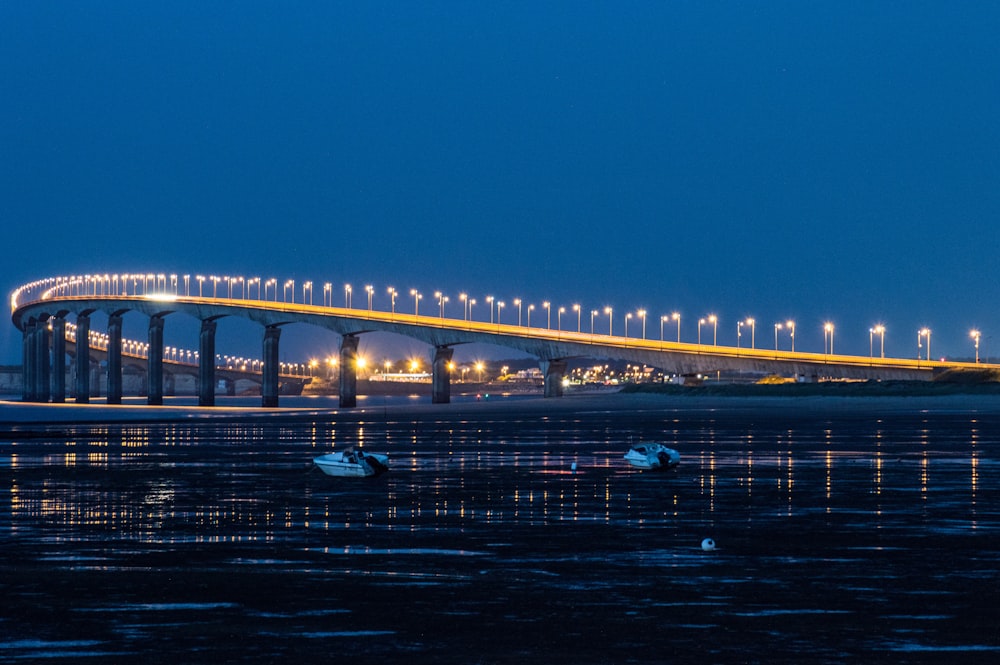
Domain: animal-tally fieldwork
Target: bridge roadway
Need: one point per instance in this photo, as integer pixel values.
(40, 314)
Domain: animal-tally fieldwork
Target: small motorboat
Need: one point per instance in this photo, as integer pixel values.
(352, 463)
(652, 456)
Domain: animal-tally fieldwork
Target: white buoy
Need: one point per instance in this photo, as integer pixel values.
(708, 544)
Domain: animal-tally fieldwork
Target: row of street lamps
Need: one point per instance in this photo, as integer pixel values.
(268, 289)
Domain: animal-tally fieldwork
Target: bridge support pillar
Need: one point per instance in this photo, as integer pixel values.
(269, 387)
(554, 370)
(28, 362)
(59, 359)
(82, 360)
(154, 377)
(115, 359)
(349, 371)
(43, 369)
(206, 364)
(441, 375)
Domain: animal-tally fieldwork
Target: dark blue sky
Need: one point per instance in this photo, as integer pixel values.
(817, 161)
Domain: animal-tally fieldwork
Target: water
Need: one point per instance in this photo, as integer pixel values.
(842, 536)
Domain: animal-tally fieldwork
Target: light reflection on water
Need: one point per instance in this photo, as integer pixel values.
(833, 535)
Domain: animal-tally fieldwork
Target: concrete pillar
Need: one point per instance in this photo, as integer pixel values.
(349, 371)
(115, 359)
(554, 370)
(82, 359)
(28, 363)
(441, 375)
(154, 360)
(59, 359)
(206, 364)
(269, 388)
(43, 370)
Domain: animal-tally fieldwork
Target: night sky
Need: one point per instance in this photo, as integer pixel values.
(809, 160)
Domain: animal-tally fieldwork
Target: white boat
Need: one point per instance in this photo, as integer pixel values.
(352, 463)
(650, 456)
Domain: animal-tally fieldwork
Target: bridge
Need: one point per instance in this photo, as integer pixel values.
(39, 309)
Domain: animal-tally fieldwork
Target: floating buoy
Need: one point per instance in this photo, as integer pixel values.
(708, 544)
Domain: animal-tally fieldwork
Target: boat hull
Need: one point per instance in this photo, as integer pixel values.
(653, 457)
(351, 464)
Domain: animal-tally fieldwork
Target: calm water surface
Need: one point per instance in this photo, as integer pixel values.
(841, 537)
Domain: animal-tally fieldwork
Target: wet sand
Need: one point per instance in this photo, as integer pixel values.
(848, 530)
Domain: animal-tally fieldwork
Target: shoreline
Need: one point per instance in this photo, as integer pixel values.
(16, 413)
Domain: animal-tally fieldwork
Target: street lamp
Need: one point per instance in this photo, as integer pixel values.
(701, 322)
(924, 332)
(464, 297)
(611, 319)
(714, 320)
(642, 315)
(559, 314)
(517, 301)
(500, 306)
(628, 315)
(530, 308)
(548, 310)
(579, 313)
(440, 299)
(663, 319)
(392, 298)
(739, 333)
(791, 332)
(490, 299)
(975, 335)
(593, 313)
(676, 316)
(880, 331)
(777, 327)
(347, 296)
(753, 332)
(828, 333)
(371, 292)
(416, 301)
